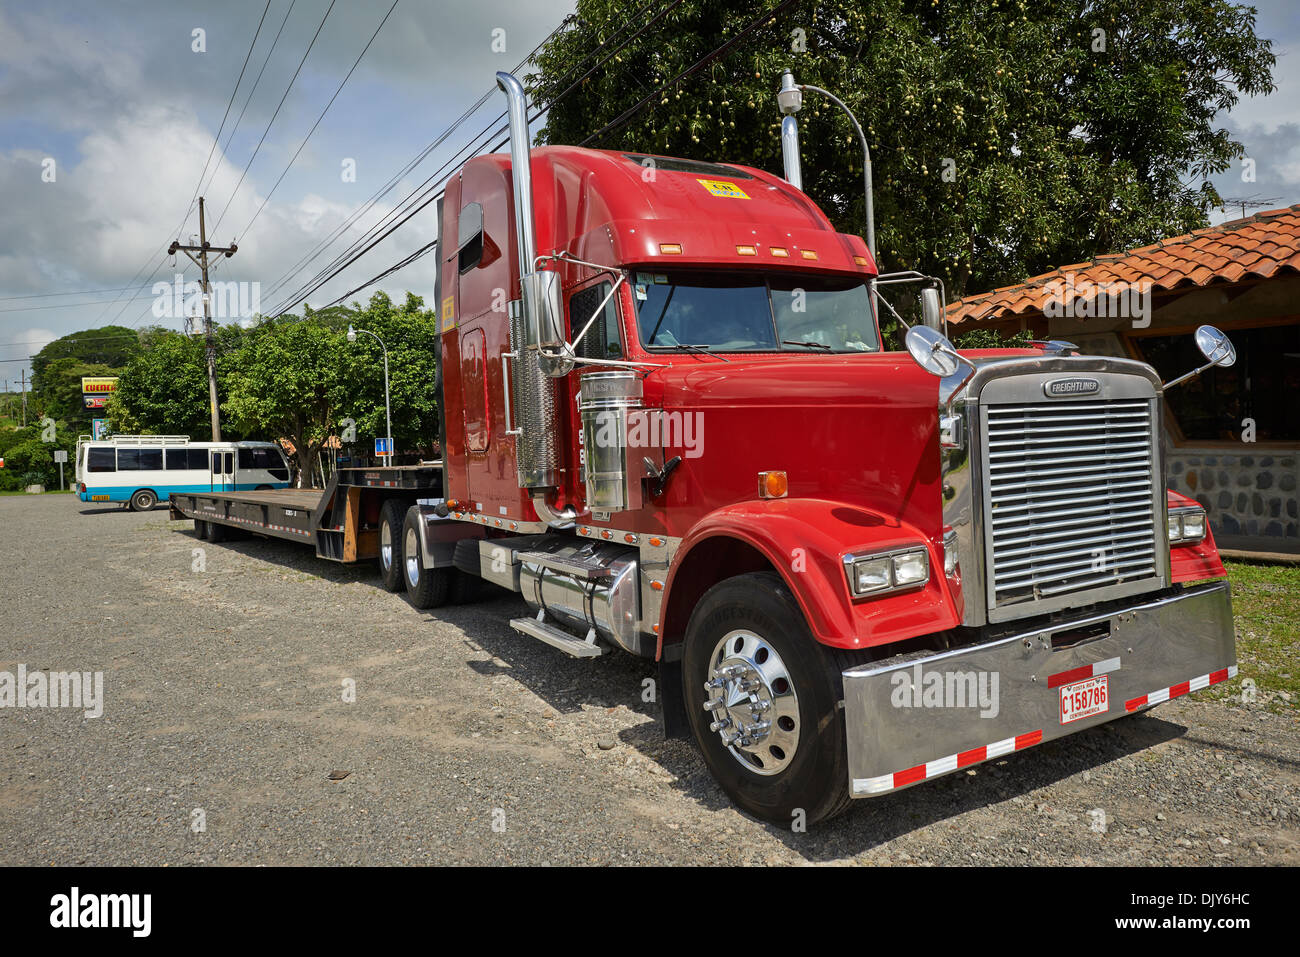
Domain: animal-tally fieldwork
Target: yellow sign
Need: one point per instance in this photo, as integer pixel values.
(449, 313)
(98, 385)
(720, 187)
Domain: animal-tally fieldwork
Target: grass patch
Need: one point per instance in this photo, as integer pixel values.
(1266, 606)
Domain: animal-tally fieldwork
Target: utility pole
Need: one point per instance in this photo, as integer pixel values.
(23, 380)
(204, 249)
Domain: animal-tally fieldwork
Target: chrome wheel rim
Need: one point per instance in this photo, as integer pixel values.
(385, 545)
(753, 703)
(412, 558)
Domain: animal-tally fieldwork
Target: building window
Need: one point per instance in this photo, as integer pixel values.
(1213, 407)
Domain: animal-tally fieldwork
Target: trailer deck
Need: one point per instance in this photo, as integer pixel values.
(341, 520)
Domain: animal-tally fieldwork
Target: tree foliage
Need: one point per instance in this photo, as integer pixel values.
(1007, 136)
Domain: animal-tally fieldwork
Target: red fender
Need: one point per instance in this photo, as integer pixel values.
(1199, 560)
(805, 541)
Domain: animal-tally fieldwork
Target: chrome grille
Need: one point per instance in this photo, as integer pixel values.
(1071, 495)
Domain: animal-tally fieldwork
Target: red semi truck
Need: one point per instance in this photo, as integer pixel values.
(670, 426)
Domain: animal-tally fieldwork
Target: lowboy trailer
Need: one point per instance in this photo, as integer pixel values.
(669, 425)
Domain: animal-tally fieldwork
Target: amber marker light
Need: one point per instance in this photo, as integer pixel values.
(670, 249)
(773, 485)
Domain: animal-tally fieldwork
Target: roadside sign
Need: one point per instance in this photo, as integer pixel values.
(383, 447)
(99, 429)
(95, 401)
(60, 455)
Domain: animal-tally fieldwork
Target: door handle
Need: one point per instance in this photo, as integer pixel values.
(505, 388)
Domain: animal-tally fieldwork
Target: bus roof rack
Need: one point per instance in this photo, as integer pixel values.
(143, 440)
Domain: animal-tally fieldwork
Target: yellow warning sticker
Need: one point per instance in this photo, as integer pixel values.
(449, 313)
(720, 187)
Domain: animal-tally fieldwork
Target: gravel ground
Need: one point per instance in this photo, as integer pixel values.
(224, 706)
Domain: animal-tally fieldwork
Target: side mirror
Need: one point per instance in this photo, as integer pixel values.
(1215, 346)
(932, 351)
(1217, 349)
(931, 308)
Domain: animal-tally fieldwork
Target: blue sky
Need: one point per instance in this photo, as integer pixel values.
(115, 95)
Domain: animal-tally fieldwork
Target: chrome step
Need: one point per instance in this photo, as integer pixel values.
(569, 644)
(570, 566)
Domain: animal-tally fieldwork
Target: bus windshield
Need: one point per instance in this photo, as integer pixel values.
(753, 312)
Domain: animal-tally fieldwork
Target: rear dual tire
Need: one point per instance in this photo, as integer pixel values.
(425, 587)
(392, 518)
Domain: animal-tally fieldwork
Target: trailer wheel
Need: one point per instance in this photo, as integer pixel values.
(425, 587)
(762, 696)
(200, 528)
(143, 500)
(212, 532)
(391, 518)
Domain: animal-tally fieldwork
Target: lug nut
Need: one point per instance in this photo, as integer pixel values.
(713, 705)
(719, 725)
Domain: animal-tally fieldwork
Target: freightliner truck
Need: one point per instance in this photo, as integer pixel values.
(669, 425)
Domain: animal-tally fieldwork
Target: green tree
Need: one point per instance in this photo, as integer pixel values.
(108, 346)
(164, 390)
(1007, 136)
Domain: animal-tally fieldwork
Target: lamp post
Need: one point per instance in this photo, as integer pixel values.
(388, 414)
(790, 99)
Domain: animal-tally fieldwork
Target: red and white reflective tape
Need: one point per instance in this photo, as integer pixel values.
(1174, 691)
(954, 762)
(1083, 673)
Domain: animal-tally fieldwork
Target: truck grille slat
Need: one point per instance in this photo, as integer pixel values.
(1071, 487)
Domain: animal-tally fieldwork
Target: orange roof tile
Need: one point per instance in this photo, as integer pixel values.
(1259, 246)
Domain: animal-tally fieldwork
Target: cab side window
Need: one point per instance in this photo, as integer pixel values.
(603, 340)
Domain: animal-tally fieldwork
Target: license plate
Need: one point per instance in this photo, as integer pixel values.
(1083, 699)
(99, 498)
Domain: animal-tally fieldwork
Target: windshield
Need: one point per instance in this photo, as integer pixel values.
(753, 312)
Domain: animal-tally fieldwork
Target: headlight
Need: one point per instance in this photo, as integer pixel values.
(888, 571)
(1186, 525)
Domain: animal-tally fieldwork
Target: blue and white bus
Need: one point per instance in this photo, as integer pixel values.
(142, 470)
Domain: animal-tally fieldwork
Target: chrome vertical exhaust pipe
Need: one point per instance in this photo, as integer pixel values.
(521, 172)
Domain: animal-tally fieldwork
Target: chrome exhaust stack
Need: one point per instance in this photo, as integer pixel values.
(536, 322)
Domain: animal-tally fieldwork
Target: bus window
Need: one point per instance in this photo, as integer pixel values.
(101, 460)
(177, 459)
(198, 459)
(265, 459)
(139, 460)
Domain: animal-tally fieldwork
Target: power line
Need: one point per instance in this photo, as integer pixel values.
(204, 187)
(190, 206)
(618, 121)
(270, 122)
(293, 158)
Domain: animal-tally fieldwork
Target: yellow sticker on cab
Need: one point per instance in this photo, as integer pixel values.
(723, 188)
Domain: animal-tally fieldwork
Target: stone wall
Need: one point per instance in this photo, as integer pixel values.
(1247, 495)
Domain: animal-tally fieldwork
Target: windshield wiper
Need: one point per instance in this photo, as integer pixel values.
(701, 349)
(809, 344)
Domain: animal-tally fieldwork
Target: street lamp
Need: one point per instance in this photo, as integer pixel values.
(790, 99)
(388, 414)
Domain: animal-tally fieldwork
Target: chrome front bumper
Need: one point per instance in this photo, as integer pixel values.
(913, 718)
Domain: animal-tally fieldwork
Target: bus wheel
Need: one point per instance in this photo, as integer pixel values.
(425, 587)
(143, 500)
(391, 518)
(761, 696)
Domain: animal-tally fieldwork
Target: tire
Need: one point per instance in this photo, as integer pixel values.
(391, 522)
(143, 500)
(212, 532)
(425, 587)
(262, 488)
(800, 763)
(200, 529)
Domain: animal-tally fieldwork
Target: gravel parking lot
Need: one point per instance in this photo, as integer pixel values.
(224, 718)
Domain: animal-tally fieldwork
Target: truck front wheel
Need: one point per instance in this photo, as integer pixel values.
(762, 697)
(425, 587)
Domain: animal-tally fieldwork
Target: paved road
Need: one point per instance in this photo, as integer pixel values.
(224, 707)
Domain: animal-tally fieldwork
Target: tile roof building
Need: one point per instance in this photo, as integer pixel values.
(1232, 435)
